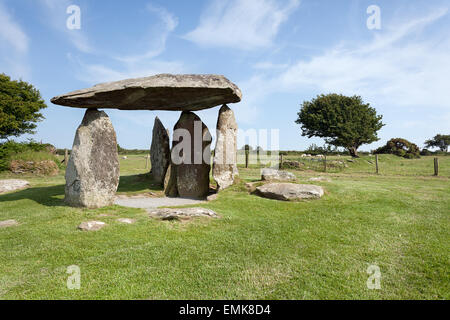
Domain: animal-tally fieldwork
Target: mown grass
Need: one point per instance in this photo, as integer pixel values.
(258, 249)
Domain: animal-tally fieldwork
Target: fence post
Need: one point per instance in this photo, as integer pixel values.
(281, 161)
(66, 157)
(246, 158)
(376, 163)
(436, 166)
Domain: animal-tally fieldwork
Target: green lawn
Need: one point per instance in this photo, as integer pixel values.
(259, 249)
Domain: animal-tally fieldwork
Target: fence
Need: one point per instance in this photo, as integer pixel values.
(370, 164)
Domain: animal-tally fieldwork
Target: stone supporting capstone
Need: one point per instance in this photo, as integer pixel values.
(225, 154)
(159, 152)
(92, 174)
(188, 175)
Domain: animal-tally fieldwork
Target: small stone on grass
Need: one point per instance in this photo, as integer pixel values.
(126, 220)
(181, 213)
(91, 225)
(8, 223)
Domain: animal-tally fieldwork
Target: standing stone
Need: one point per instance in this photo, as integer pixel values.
(225, 153)
(191, 158)
(170, 182)
(92, 174)
(159, 152)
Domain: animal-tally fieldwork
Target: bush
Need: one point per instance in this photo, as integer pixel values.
(400, 147)
(11, 150)
(426, 152)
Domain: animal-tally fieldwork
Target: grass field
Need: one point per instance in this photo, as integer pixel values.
(398, 220)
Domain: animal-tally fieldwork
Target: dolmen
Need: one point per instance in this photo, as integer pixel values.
(92, 174)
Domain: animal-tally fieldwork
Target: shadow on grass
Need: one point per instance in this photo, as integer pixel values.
(54, 195)
(48, 196)
(138, 183)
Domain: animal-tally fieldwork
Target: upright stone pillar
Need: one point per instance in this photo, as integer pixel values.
(159, 152)
(225, 153)
(92, 174)
(190, 158)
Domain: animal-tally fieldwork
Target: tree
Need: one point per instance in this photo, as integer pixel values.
(342, 121)
(400, 147)
(20, 103)
(440, 141)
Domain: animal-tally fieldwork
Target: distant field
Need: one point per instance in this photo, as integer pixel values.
(398, 220)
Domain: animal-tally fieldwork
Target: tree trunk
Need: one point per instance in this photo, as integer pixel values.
(353, 152)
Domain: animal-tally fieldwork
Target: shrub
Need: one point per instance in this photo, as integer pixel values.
(27, 151)
(400, 147)
(426, 152)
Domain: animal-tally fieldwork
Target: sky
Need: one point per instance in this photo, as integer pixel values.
(279, 52)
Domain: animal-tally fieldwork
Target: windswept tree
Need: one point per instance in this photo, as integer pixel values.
(340, 120)
(20, 104)
(441, 141)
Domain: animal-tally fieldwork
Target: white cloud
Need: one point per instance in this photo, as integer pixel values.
(14, 46)
(57, 16)
(242, 24)
(267, 65)
(157, 42)
(97, 73)
(117, 67)
(396, 68)
(11, 32)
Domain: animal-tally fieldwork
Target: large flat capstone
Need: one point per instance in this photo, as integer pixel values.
(182, 92)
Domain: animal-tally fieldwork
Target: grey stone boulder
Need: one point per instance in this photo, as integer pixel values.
(268, 174)
(289, 191)
(159, 152)
(179, 92)
(181, 213)
(225, 153)
(9, 185)
(190, 159)
(91, 225)
(92, 174)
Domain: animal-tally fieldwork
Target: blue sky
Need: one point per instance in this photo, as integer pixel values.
(279, 53)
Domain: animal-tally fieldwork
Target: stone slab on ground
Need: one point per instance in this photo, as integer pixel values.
(126, 220)
(181, 213)
(151, 203)
(274, 174)
(179, 92)
(9, 185)
(91, 225)
(8, 223)
(290, 191)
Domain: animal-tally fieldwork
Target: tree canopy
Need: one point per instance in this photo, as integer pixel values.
(20, 104)
(342, 121)
(400, 147)
(440, 141)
